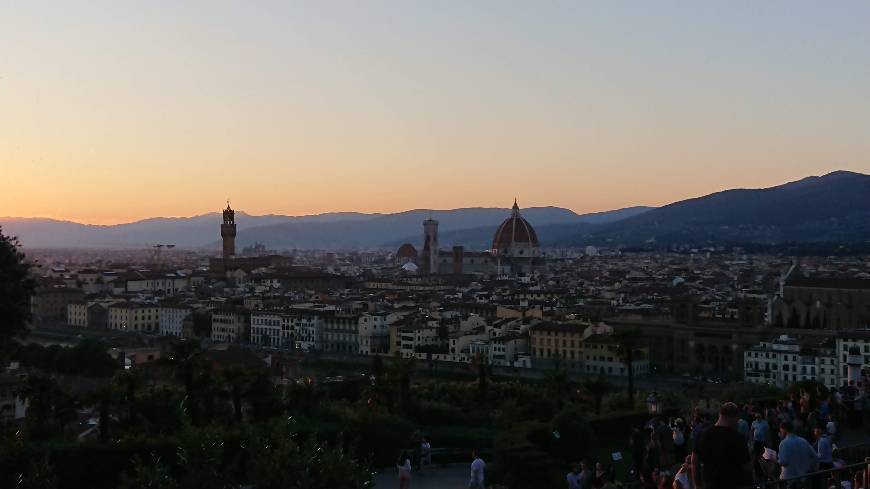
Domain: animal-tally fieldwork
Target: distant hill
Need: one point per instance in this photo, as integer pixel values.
(549, 231)
(187, 232)
(831, 208)
(332, 230)
(834, 208)
(471, 227)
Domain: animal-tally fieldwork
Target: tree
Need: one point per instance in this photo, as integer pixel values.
(149, 476)
(314, 464)
(263, 398)
(479, 361)
(401, 370)
(128, 382)
(49, 409)
(237, 378)
(557, 385)
(104, 398)
(626, 345)
(202, 324)
(377, 366)
(597, 388)
(40, 475)
(16, 288)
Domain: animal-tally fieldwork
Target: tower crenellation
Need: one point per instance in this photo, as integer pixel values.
(228, 232)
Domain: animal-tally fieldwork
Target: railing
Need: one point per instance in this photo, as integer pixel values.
(819, 479)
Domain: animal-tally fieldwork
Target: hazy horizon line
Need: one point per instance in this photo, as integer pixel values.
(299, 216)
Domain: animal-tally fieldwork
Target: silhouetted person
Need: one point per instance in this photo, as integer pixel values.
(721, 455)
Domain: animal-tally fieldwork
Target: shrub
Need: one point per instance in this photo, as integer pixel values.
(382, 436)
(574, 433)
(439, 413)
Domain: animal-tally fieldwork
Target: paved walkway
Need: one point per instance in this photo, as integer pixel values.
(451, 476)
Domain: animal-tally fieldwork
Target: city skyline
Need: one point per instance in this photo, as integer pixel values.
(114, 113)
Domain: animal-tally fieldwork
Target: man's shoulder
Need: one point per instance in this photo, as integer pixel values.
(720, 432)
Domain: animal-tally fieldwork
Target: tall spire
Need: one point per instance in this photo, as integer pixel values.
(516, 208)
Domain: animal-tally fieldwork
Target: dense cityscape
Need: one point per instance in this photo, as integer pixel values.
(434, 245)
(518, 352)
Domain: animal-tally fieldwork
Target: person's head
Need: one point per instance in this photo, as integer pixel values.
(786, 428)
(729, 415)
(575, 467)
(758, 416)
(599, 467)
(584, 464)
(475, 454)
(819, 431)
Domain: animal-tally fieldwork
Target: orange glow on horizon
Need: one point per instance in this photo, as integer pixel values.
(117, 112)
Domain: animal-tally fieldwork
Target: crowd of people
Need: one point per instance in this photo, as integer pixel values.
(753, 445)
(787, 444)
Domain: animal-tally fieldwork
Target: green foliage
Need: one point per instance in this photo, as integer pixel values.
(89, 358)
(264, 398)
(521, 459)
(745, 392)
(382, 435)
(280, 461)
(628, 342)
(202, 453)
(201, 324)
(439, 413)
(40, 475)
(159, 412)
(16, 288)
(50, 409)
(506, 414)
(153, 475)
(617, 401)
(574, 432)
(597, 388)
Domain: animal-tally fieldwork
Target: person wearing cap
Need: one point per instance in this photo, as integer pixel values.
(722, 459)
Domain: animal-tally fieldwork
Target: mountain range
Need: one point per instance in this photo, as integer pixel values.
(833, 208)
(830, 208)
(472, 227)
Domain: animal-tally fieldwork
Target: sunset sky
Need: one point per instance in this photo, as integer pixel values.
(114, 111)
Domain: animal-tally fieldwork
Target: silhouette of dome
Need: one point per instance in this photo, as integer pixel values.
(407, 250)
(514, 231)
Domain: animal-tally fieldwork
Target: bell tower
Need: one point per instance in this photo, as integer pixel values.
(228, 232)
(430, 246)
